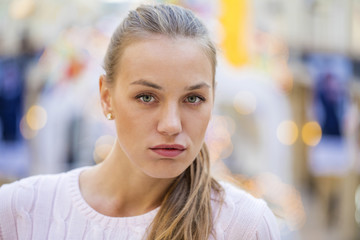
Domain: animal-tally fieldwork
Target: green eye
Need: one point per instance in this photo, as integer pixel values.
(147, 98)
(193, 99)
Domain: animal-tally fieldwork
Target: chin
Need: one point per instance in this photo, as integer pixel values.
(166, 173)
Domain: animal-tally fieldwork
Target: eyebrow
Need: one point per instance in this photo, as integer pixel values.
(153, 85)
(146, 83)
(197, 86)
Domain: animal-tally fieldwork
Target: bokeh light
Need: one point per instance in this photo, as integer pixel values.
(20, 9)
(311, 133)
(287, 132)
(36, 117)
(25, 130)
(103, 147)
(218, 137)
(284, 197)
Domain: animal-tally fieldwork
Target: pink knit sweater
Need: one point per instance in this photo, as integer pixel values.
(52, 207)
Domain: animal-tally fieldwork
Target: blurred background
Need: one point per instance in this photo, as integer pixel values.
(286, 120)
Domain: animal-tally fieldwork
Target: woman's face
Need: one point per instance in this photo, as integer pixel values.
(161, 102)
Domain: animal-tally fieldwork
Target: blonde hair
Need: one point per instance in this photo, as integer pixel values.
(185, 212)
(163, 19)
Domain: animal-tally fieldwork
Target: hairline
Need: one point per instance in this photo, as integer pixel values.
(141, 36)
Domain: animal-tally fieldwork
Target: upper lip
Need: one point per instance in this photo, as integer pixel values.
(169, 146)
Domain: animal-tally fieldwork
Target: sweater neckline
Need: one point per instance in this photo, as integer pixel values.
(93, 215)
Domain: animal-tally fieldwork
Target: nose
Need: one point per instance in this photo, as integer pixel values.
(170, 121)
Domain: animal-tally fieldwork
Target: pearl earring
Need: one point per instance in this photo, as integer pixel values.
(109, 116)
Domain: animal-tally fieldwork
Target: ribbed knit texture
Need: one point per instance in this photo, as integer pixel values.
(52, 207)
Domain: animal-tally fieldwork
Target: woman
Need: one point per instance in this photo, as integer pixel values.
(155, 182)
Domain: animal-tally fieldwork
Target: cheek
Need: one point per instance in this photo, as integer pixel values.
(131, 121)
(125, 118)
(198, 123)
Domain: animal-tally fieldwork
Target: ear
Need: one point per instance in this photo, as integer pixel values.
(105, 95)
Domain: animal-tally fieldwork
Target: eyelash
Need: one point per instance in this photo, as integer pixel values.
(138, 97)
(199, 100)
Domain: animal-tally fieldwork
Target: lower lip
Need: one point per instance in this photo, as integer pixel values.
(167, 152)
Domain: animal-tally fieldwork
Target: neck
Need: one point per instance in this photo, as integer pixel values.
(117, 188)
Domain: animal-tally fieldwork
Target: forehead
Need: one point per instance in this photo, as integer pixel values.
(159, 58)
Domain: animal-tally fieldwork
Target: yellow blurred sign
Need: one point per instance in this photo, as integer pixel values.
(233, 17)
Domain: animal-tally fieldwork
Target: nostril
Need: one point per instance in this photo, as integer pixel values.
(170, 121)
(170, 127)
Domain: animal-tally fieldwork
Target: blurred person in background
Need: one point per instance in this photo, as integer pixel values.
(156, 182)
(12, 86)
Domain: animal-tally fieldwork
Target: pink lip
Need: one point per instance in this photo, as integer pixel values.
(168, 150)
